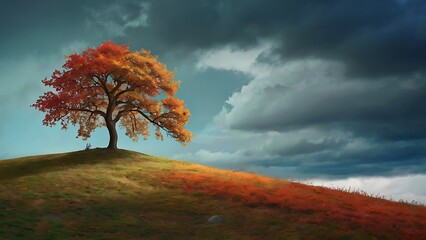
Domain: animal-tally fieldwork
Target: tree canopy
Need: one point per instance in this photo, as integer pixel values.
(109, 84)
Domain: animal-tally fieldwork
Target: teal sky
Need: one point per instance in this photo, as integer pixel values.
(329, 90)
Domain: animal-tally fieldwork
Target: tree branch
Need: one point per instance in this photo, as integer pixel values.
(88, 87)
(85, 110)
(119, 115)
(119, 84)
(100, 83)
(151, 120)
(164, 115)
(124, 91)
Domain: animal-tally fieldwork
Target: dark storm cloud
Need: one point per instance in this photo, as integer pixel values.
(385, 115)
(372, 37)
(336, 159)
(382, 109)
(317, 93)
(303, 147)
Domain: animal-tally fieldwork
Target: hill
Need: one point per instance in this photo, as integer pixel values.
(102, 194)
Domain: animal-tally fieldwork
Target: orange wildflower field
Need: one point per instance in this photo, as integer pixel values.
(313, 204)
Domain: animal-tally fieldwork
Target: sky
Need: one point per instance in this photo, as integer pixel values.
(328, 92)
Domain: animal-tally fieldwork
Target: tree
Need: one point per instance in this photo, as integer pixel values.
(110, 84)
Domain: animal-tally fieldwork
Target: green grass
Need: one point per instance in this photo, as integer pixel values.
(103, 194)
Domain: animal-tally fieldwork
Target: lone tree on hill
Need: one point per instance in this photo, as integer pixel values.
(110, 84)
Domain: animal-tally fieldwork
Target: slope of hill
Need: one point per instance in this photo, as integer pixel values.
(101, 194)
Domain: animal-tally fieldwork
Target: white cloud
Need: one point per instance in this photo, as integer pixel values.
(285, 92)
(407, 188)
(317, 93)
(230, 58)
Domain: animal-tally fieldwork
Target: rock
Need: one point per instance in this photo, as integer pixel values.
(216, 219)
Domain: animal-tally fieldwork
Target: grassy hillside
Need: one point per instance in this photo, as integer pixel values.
(101, 194)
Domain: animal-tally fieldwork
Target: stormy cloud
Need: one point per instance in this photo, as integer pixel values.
(318, 93)
(379, 38)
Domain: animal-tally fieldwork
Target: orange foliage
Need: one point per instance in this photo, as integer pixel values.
(350, 210)
(109, 84)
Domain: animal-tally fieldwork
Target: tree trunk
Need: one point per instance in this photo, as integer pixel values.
(113, 136)
(110, 123)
